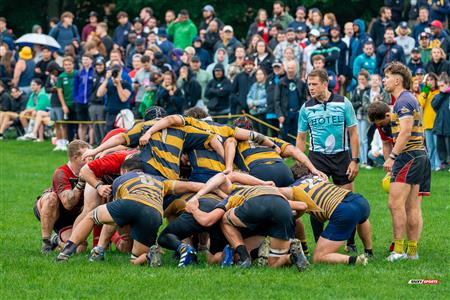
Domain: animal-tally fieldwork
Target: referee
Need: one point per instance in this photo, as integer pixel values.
(329, 119)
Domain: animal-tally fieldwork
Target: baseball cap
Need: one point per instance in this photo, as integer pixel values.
(228, 28)
(437, 24)
(137, 20)
(248, 60)
(100, 60)
(419, 71)
(403, 25)
(423, 35)
(415, 49)
(162, 32)
(301, 28)
(195, 58)
(209, 8)
(93, 14)
(314, 32)
(140, 41)
(277, 63)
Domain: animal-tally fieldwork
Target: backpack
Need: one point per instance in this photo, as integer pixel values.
(124, 119)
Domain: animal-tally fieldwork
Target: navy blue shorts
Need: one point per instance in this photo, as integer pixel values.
(143, 219)
(201, 177)
(353, 210)
(277, 172)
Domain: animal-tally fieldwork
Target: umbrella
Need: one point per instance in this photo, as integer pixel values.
(39, 39)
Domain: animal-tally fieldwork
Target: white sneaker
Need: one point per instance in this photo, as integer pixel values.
(414, 257)
(394, 256)
(29, 136)
(38, 141)
(57, 148)
(63, 148)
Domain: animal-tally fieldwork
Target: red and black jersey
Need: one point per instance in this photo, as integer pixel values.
(113, 133)
(386, 133)
(63, 180)
(107, 168)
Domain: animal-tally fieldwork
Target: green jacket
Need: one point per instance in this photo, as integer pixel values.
(183, 33)
(39, 102)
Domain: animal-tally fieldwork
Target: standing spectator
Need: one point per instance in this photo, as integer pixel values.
(365, 61)
(314, 19)
(90, 27)
(145, 15)
(376, 154)
(330, 53)
(11, 110)
(261, 26)
(257, 100)
(190, 88)
(344, 71)
(314, 35)
(228, 42)
(141, 82)
(200, 52)
(218, 93)
(40, 71)
(289, 98)
(389, 51)
(65, 32)
(56, 112)
(6, 35)
(169, 17)
(319, 63)
(415, 62)
(439, 37)
(329, 21)
(429, 91)
(361, 37)
(212, 37)
(182, 29)
(300, 18)
(97, 104)
(404, 40)
(273, 81)
(122, 30)
(137, 48)
(7, 66)
(137, 65)
(238, 65)
(118, 90)
(201, 76)
(438, 64)
(424, 47)
(64, 87)
(82, 87)
(164, 44)
(397, 7)
(276, 35)
(241, 86)
(263, 58)
(439, 10)
(357, 102)
(423, 22)
(168, 96)
(208, 15)
(220, 57)
(380, 25)
(289, 42)
(102, 32)
(280, 15)
(441, 127)
(24, 70)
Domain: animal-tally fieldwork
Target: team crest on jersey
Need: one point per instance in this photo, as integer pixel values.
(404, 110)
(292, 86)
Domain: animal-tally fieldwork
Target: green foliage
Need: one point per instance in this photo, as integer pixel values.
(26, 169)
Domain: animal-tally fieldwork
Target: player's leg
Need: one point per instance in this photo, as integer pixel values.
(246, 179)
(48, 208)
(279, 253)
(91, 200)
(139, 253)
(414, 221)
(326, 252)
(364, 232)
(230, 224)
(398, 194)
(301, 235)
(106, 232)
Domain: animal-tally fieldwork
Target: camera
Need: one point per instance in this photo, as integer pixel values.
(115, 69)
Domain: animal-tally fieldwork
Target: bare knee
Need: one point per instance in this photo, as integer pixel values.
(52, 202)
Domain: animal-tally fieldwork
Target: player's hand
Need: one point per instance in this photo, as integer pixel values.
(89, 153)
(192, 205)
(227, 171)
(144, 139)
(104, 190)
(281, 119)
(352, 170)
(321, 175)
(269, 183)
(388, 165)
(277, 149)
(65, 109)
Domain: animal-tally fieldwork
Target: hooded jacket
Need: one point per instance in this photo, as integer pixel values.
(230, 47)
(360, 38)
(224, 63)
(82, 86)
(378, 29)
(282, 96)
(441, 105)
(218, 92)
(239, 91)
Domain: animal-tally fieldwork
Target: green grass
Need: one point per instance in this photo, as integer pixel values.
(26, 169)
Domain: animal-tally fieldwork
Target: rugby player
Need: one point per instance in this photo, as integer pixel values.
(260, 211)
(407, 161)
(138, 202)
(58, 207)
(343, 209)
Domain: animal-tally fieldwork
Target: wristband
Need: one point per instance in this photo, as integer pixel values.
(80, 185)
(274, 146)
(98, 184)
(393, 156)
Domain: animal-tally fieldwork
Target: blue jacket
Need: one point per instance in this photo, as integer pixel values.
(65, 36)
(82, 86)
(441, 105)
(121, 33)
(362, 37)
(387, 53)
(363, 61)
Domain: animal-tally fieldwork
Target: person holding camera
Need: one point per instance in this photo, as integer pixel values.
(168, 96)
(117, 88)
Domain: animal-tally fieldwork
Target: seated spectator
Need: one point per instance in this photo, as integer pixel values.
(168, 96)
(11, 108)
(257, 100)
(376, 150)
(438, 63)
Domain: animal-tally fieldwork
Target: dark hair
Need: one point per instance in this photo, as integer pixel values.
(377, 111)
(318, 57)
(299, 170)
(364, 73)
(145, 59)
(435, 77)
(383, 9)
(444, 78)
(279, 3)
(196, 112)
(398, 68)
(321, 73)
(132, 164)
(369, 42)
(38, 81)
(154, 112)
(148, 10)
(184, 12)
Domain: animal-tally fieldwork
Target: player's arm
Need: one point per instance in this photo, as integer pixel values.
(387, 149)
(166, 122)
(70, 198)
(217, 146)
(406, 125)
(89, 177)
(112, 150)
(301, 141)
(203, 218)
(247, 179)
(352, 170)
(116, 140)
(230, 152)
(294, 152)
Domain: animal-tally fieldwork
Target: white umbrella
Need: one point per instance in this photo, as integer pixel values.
(39, 39)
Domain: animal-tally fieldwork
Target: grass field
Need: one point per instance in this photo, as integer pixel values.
(26, 169)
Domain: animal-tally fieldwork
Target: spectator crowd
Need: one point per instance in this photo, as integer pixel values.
(101, 75)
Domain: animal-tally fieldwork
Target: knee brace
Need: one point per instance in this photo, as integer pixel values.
(95, 217)
(278, 252)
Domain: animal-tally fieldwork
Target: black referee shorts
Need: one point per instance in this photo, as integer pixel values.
(334, 165)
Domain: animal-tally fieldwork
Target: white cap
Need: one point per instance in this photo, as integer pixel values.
(314, 32)
(228, 28)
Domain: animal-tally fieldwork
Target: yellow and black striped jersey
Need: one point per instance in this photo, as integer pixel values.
(163, 151)
(321, 197)
(241, 193)
(143, 188)
(174, 204)
(249, 154)
(223, 130)
(405, 106)
(206, 162)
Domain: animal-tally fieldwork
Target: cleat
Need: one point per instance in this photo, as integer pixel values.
(351, 248)
(244, 263)
(396, 256)
(69, 249)
(362, 260)
(228, 256)
(154, 257)
(297, 256)
(263, 253)
(368, 255)
(97, 254)
(413, 257)
(46, 248)
(62, 257)
(188, 255)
